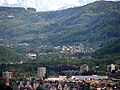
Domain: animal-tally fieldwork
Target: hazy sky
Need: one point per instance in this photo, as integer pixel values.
(44, 5)
(64, 1)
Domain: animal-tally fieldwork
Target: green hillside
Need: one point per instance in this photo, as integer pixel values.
(92, 24)
(9, 56)
(109, 49)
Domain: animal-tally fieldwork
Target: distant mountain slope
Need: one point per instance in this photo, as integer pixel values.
(92, 24)
(111, 48)
(9, 56)
(45, 5)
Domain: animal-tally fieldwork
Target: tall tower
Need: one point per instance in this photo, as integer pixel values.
(41, 72)
(111, 68)
(84, 68)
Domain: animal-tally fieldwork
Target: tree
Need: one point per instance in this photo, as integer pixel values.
(39, 88)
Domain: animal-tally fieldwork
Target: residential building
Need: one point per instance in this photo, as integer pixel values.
(7, 74)
(25, 85)
(111, 68)
(84, 68)
(41, 72)
(31, 55)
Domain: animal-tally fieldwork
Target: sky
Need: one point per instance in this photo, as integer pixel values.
(64, 1)
(12, 1)
(46, 5)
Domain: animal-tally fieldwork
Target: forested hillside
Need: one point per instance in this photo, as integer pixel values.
(92, 24)
(9, 56)
(108, 49)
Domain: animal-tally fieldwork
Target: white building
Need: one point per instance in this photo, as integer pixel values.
(41, 72)
(94, 77)
(60, 78)
(7, 74)
(111, 68)
(31, 55)
(81, 48)
(84, 68)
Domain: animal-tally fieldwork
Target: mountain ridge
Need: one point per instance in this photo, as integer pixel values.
(46, 5)
(93, 24)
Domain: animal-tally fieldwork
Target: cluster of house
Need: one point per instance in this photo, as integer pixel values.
(112, 68)
(70, 48)
(63, 49)
(79, 83)
(31, 56)
(10, 74)
(65, 83)
(76, 48)
(22, 85)
(25, 84)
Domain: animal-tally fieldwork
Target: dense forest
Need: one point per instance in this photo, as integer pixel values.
(92, 24)
(9, 56)
(108, 49)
